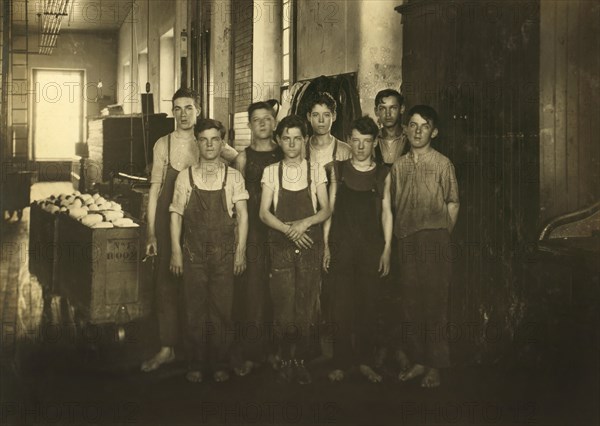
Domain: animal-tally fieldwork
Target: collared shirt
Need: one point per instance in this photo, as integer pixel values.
(422, 191)
(209, 179)
(391, 152)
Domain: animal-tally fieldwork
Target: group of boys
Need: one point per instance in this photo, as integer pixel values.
(315, 228)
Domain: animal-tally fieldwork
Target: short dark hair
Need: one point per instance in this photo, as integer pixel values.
(427, 112)
(259, 105)
(207, 124)
(386, 93)
(365, 126)
(290, 122)
(322, 98)
(185, 92)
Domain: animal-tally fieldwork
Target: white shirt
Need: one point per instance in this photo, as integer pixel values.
(210, 180)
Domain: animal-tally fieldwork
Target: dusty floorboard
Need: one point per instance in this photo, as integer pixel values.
(54, 372)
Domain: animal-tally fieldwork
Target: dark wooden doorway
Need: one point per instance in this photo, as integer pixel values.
(477, 63)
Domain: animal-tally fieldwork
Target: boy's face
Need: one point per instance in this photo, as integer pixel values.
(420, 132)
(211, 143)
(389, 111)
(362, 145)
(185, 113)
(291, 142)
(262, 124)
(321, 118)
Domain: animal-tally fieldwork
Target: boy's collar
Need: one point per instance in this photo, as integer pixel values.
(422, 155)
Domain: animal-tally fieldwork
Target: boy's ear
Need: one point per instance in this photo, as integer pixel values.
(402, 108)
(434, 133)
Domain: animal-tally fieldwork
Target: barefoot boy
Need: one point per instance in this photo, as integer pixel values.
(171, 154)
(293, 204)
(426, 206)
(251, 162)
(210, 200)
(324, 150)
(361, 230)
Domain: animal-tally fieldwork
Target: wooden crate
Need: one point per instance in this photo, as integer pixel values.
(101, 270)
(43, 247)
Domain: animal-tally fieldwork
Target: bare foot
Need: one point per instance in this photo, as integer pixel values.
(194, 376)
(371, 375)
(275, 361)
(221, 376)
(336, 375)
(380, 356)
(415, 371)
(244, 369)
(431, 379)
(164, 356)
(402, 359)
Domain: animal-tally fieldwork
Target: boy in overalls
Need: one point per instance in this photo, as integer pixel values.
(361, 229)
(210, 200)
(324, 150)
(294, 203)
(254, 284)
(172, 153)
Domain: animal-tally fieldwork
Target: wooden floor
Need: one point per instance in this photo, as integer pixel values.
(53, 374)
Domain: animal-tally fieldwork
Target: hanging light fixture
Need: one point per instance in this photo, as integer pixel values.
(52, 15)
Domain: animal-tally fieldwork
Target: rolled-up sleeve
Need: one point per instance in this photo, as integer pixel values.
(319, 175)
(449, 184)
(182, 193)
(158, 162)
(268, 177)
(239, 191)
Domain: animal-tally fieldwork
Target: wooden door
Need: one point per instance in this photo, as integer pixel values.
(477, 64)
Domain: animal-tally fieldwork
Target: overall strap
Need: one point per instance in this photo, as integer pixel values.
(192, 184)
(378, 153)
(335, 147)
(280, 177)
(225, 178)
(308, 177)
(169, 149)
(223, 194)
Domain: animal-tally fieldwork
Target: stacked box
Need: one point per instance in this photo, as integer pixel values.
(101, 270)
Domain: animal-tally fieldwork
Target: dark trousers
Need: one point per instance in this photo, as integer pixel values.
(424, 261)
(356, 288)
(254, 288)
(208, 291)
(167, 293)
(295, 284)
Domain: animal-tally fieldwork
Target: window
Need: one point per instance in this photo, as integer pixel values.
(58, 111)
(167, 71)
(128, 91)
(287, 47)
(142, 72)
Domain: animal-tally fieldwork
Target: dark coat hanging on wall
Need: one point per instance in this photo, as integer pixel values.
(344, 90)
